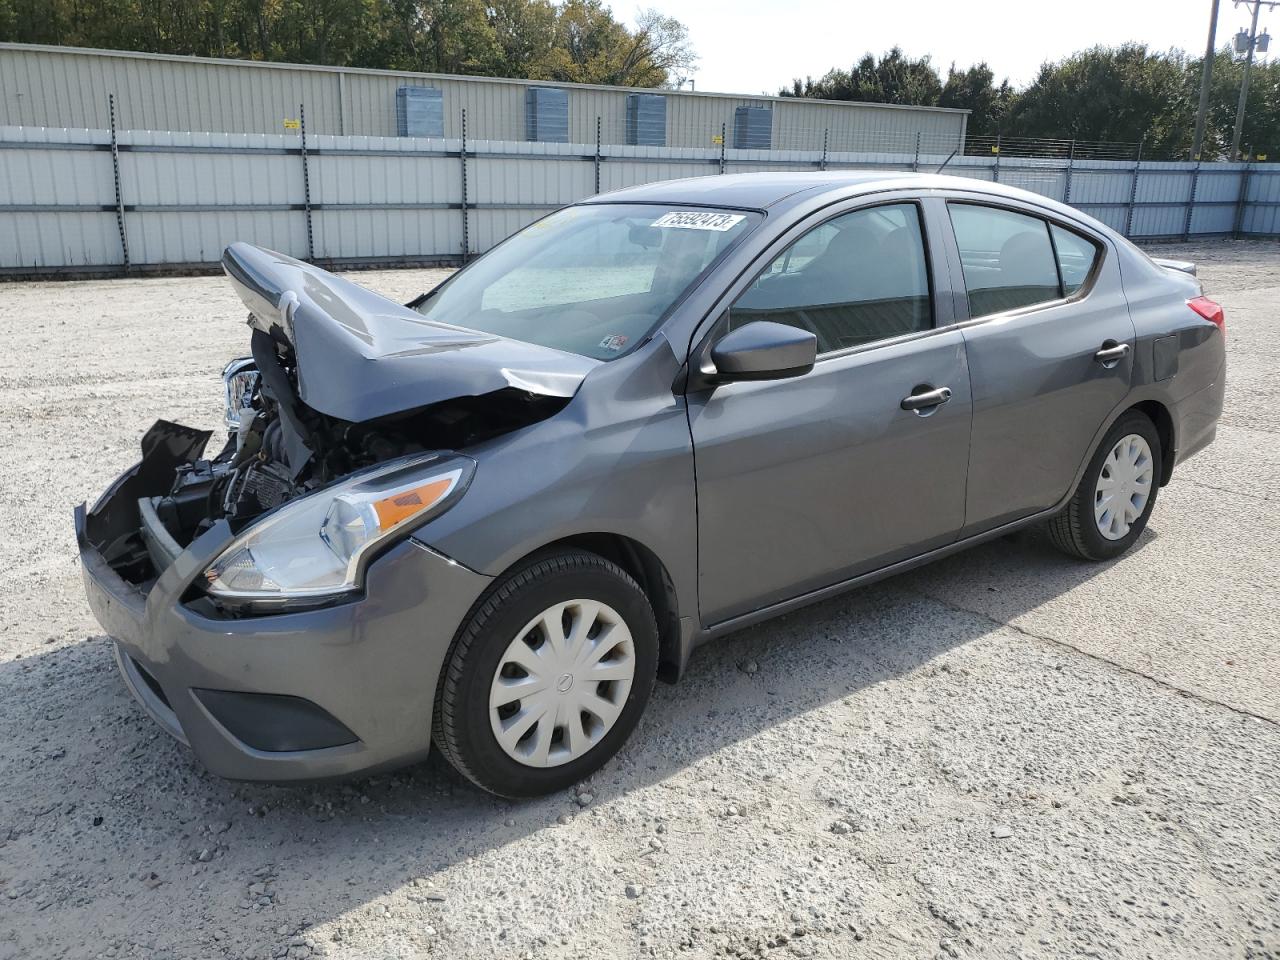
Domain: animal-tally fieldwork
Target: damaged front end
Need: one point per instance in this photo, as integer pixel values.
(347, 428)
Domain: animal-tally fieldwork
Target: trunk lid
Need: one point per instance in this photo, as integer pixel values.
(361, 356)
(1180, 266)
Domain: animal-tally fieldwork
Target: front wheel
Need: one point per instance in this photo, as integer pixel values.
(1110, 508)
(548, 676)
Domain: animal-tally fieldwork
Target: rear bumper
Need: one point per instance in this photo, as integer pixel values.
(309, 695)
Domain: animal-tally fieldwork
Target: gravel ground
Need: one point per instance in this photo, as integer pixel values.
(1007, 754)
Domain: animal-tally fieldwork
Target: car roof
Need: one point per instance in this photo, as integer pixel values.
(751, 190)
(774, 190)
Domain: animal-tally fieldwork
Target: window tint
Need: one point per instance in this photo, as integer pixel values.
(1007, 258)
(1075, 258)
(855, 279)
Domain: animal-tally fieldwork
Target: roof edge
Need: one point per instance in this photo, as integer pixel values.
(516, 81)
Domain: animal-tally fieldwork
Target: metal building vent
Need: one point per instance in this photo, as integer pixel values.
(546, 115)
(646, 120)
(752, 128)
(419, 112)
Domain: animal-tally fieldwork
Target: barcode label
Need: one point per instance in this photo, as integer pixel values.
(690, 220)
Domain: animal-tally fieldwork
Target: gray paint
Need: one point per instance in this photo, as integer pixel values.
(825, 477)
(755, 498)
(1038, 392)
(371, 663)
(362, 356)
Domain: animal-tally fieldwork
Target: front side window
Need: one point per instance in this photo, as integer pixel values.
(594, 280)
(853, 280)
(1007, 258)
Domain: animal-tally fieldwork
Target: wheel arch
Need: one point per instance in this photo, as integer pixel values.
(1159, 414)
(1155, 409)
(644, 566)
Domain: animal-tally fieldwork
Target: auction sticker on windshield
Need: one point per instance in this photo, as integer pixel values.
(689, 220)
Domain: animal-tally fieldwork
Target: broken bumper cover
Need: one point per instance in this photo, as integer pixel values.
(304, 695)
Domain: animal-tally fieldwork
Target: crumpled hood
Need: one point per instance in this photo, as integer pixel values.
(361, 356)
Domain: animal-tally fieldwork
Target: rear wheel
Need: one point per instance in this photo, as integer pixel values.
(548, 677)
(1117, 493)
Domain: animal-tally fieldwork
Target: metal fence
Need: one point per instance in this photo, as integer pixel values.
(79, 202)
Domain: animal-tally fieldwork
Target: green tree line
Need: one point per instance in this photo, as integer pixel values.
(1128, 94)
(576, 41)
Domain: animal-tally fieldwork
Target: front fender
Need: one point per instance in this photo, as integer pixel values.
(617, 460)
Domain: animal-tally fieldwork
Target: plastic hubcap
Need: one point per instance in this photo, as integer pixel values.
(1124, 487)
(562, 683)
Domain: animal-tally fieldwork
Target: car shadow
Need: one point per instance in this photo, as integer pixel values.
(135, 814)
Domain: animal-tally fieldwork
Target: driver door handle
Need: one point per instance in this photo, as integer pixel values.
(925, 399)
(1111, 352)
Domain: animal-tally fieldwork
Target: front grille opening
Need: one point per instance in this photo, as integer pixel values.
(152, 684)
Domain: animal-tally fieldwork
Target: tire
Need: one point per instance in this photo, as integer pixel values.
(465, 727)
(1076, 530)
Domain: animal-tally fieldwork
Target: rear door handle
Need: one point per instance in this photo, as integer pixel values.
(923, 399)
(1111, 353)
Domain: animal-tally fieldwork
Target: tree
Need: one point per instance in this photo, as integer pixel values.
(1111, 94)
(525, 31)
(1121, 93)
(589, 46)
(975, 90)
(664, 48)
(570, 40)
(894, 78)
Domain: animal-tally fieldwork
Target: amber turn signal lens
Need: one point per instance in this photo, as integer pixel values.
(405, 504)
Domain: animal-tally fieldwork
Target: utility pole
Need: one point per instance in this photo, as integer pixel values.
(1206, 78)
(1248, 65)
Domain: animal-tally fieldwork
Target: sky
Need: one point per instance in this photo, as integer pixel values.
(758, 46)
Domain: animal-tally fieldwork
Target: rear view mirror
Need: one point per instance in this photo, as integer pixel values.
(645, 236)
(764, 350)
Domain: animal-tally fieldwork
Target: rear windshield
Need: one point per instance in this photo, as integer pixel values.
(594, 280)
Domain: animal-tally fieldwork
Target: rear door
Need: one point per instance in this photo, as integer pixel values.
(1050, 349)
(806, 482)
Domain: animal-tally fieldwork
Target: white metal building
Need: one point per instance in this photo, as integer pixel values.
(47, 86)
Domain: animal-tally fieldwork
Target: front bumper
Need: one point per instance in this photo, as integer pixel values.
(353, 683)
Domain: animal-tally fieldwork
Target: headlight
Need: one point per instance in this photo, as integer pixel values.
(317, 546)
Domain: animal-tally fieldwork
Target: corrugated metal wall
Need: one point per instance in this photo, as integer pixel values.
(67, 87)
(183, 196)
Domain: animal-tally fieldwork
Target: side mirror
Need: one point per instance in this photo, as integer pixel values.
(764, 350)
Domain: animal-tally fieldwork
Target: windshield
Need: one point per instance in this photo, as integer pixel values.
(593, 280)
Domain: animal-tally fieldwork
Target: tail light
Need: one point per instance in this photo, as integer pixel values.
(1211, 311)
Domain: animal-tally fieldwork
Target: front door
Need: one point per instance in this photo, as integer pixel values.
(861, 462)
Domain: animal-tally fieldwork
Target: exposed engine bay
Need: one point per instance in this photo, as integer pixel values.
(340, 380)
(279, 448)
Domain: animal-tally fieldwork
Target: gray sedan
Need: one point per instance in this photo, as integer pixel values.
(491, 518)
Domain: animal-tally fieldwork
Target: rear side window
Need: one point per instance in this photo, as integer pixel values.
(853, 280)
(1007, 258)
(1076, 257)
